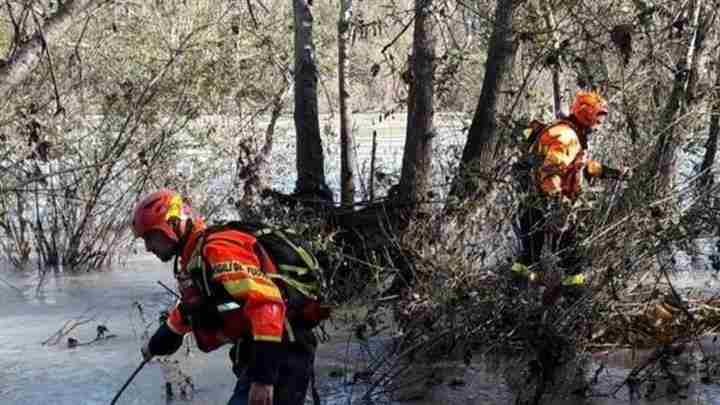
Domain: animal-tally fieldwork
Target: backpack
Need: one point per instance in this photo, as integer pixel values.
(529, 158)
(299, 275)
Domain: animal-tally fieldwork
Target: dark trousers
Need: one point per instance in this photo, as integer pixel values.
(294, 375)
(532, 232)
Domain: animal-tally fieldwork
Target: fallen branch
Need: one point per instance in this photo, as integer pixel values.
(68, 327)
(101, 330)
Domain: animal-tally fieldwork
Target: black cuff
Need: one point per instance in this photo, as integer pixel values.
(164, 342)
(610, 173)
(264, 362)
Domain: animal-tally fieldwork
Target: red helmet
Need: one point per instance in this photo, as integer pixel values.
(587, 107)
(156, 210)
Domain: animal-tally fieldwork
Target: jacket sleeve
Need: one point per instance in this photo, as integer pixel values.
(238, 270)
(176, 322)
(165, 341)
(561, 148)
(601, 171)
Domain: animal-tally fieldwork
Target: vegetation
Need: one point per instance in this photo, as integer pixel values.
(104, 101)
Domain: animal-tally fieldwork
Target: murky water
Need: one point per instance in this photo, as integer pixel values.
(32, 373)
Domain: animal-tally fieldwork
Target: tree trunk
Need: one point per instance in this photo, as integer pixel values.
(29, 52)
(255, 175)
(711, 145)
(668, 142)
(414, 179)
(310, 161)
(548, 14)
(347, 141)
(476, 166)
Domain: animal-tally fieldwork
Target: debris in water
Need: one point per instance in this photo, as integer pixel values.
(101, 330)
(68, 327)
(72, 343)
(176, 381)
(168, 391)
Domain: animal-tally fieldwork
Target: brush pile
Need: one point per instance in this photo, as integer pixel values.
(656, 315)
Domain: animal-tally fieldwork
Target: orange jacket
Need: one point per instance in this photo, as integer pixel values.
(233, 266)
(239, 265)
(564, 161)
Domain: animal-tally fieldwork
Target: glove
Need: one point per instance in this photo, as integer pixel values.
(145, 351)
(617, 174)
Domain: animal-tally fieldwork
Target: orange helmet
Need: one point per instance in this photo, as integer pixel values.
(154, 212)
(587, 107)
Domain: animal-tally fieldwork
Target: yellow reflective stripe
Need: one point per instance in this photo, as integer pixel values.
(308, 290)
(295, 269)
(576, 279)
(264, 231)
(524, 271)
(267, 338)
(310, 261)
(241, 288)
(520, 269)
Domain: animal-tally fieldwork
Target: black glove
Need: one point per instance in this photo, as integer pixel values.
(616, 174)
(164, 342)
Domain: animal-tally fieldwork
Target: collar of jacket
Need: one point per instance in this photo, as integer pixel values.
(187, 250)
(581, 131)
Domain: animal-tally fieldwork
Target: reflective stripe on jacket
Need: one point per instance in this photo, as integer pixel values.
(564, 162)
(239, 265)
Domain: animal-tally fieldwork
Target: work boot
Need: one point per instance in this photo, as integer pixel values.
(573, 287)
(521, 276)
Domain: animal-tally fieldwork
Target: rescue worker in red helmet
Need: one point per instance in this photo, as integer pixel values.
(226, 298)
(561, 150)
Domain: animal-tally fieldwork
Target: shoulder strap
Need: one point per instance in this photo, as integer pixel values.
(539, 133)
(200, 250)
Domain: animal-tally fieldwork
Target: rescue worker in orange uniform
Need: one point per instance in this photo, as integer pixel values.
(563, 166)
(226, 298)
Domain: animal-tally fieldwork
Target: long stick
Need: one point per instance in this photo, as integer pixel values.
(168, 289)
(372, 166)
(137, 370)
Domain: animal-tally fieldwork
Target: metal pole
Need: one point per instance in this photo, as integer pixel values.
(168, 289)
(129, 380)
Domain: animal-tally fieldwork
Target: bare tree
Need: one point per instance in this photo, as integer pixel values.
(712, 141)
(347, 141)
(479, 153)
(669, 141)
(252, 165)
(418, 144)
(546, 8)
(310, 160)
(26, 53)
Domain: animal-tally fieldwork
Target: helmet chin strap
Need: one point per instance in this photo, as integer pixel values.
(182, 239)
(182, 236)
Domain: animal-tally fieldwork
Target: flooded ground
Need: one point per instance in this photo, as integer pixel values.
(32, 373)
